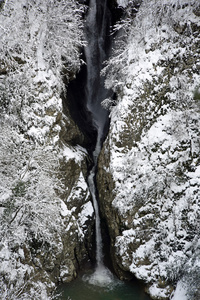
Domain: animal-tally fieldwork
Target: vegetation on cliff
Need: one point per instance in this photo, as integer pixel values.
(44, 199)
(149, 169)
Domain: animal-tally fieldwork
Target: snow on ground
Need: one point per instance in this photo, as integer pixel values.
(180, 292)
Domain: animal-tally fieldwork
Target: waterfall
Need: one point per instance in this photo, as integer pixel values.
(91, 182)
(97, 24)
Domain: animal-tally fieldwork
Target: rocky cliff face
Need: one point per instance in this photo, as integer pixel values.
(149, 167)
(46, 210)
(46, 214)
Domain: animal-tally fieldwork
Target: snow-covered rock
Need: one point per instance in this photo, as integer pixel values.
(148, 178)
(46, 215)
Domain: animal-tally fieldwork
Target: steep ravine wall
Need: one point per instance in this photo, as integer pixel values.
(149, 168)
(46, 213)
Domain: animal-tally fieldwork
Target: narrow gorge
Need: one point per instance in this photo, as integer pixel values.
(93, 121)
(99, 152)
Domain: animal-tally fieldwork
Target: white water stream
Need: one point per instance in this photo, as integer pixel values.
(91, 182)
(95, 55)
(96, 28)
(101, 284)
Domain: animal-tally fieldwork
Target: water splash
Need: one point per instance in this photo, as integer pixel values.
(102, 277)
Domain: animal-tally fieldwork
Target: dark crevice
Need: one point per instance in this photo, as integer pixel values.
(77, 105)
(116, 11)
(77, 98)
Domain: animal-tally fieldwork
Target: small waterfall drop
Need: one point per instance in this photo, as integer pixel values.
(97, 26)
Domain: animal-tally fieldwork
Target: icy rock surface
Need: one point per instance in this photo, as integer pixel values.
(149, 168)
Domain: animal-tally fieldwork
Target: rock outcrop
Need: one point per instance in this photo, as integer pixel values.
(46, 207)
(149, 168)
(46, 213)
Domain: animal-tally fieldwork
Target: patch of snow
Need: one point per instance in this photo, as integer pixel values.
(122, 3)
(86, 212)
(76, 153)
(180, 292)
(159, 293)
(64, 210)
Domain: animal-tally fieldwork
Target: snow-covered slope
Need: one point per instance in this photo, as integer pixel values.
(149, 169)
(44, 199)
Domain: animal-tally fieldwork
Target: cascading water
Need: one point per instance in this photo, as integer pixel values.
(97, 25)
(101, 284)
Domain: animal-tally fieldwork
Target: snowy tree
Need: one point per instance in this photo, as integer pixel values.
(35, 37)
(31, 219)
(148, 17)
(39, 51)
(48, 30)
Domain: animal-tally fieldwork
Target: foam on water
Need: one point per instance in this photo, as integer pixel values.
(102, 277)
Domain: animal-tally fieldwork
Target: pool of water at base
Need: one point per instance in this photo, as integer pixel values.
(82, 289)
